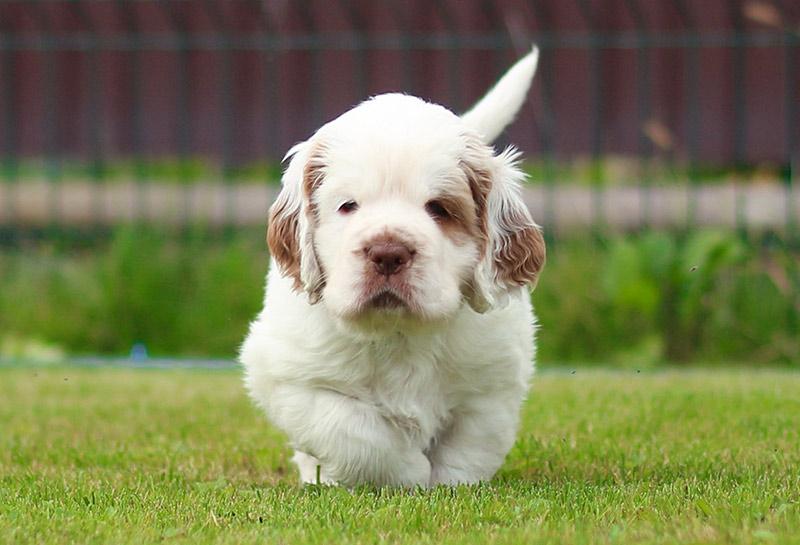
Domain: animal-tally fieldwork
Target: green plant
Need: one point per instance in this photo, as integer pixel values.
(705, 295)
(627, 299)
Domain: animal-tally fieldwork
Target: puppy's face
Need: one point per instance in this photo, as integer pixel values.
(395, 211)
(397, 229)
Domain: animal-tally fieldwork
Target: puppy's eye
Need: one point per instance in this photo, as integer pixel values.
(436, 210)
(348, 207)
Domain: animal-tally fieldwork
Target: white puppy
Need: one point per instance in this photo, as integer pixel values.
(396, 341)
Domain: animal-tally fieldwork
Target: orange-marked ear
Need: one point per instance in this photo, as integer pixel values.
(283, 237)
(521, 254)
(514, 251)
(292, 220)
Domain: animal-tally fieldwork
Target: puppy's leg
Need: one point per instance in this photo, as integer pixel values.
(349, 438)
(308, 467)
(473, 448)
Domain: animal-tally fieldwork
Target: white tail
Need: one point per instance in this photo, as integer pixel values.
(498, 108)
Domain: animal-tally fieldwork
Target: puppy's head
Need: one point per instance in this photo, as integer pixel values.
(397, 209)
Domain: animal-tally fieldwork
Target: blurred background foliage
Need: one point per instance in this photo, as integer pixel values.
(633, 300)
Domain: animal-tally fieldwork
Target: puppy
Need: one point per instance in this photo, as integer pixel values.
(397, 337)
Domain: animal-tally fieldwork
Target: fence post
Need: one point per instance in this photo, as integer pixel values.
(93, 111)
(50, 127)
(643, 108)
(598, 100)
(454, 86)
(547, 124)
(791, 87)
(227, 107)
(127, 10)
(692, 114)
(10, 166)
(182, 100)
(314, 80)
(405, 46)
(271, 51)
(358, 28)
(739, 85)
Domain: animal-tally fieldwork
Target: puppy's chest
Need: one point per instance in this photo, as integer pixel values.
(411, 393)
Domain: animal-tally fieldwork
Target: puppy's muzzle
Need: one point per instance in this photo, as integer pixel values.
(389, 256)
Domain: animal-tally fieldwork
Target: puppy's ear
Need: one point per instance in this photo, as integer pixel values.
(283, 235)
(513, 251)
(292, 220)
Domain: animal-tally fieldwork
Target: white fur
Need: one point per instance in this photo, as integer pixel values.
(498, 107)
(417, 396)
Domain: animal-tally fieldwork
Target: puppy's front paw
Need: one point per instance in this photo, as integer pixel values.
(311, 471)
(446, 475)
(417, 472)
(409, 471)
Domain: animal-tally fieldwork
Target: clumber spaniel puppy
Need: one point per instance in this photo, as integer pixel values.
(397, 337)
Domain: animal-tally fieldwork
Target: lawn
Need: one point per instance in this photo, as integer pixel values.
(150, 456)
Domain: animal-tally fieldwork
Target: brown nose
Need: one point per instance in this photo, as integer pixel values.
(388, 257)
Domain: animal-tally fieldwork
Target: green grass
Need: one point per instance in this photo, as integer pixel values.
(146, 456)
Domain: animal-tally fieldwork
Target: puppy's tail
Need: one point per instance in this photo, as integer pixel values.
(498, 108)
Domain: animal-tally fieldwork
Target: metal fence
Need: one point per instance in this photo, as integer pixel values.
(644, 112)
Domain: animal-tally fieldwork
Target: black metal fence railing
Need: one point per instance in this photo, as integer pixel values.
(114, 110)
